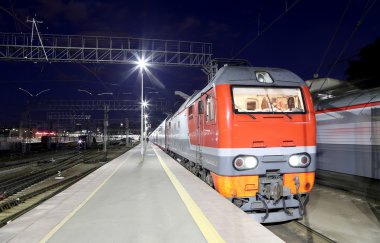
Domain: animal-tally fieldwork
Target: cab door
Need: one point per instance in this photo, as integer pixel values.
(200, 131)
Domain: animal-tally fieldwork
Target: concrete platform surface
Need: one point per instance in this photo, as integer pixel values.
(129, 200)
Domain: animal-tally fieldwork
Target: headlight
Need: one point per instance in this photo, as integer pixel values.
(300, 160)
(263, 77)
(245, 162)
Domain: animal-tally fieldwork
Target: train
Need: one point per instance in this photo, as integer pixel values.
(348, 132)
(250, 133)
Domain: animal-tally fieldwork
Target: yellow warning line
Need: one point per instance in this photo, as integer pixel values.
(69, 216)
(208, 230)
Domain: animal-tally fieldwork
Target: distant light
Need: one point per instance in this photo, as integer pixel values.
(80, 141)
(144, 103)
(43, 133)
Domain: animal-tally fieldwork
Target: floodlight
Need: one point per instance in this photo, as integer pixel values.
(141, 63)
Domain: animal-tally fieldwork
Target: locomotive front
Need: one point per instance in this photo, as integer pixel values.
(266, 142)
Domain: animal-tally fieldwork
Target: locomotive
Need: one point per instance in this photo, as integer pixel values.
(251, 135)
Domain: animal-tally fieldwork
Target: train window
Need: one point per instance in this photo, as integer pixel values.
(200, 107)
(178, 124)
(263, 99)
(210, 114)
(191, 110)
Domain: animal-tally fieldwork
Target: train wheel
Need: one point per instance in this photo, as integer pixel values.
(202, 175)
(187, 165)
(193, 168)
(209, 180)
(183, 162)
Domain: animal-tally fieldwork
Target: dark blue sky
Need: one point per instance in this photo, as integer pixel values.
(296, 41)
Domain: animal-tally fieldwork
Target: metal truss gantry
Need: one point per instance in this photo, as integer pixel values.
(101, 49)
(97, 105)
(67, 116)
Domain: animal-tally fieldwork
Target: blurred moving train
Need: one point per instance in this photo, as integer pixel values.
(348, 132)
(250, 134)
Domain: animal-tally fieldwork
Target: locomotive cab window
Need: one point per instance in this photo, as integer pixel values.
(200, 107)
(210, 112)
(191, 112)
(248, 99)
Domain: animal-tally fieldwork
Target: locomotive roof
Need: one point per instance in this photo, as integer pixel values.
(247, 76)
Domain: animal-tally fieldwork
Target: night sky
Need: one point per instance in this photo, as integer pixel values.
(296, 41)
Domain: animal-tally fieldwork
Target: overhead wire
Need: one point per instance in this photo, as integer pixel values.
(259, 34)
(337, 28)
(357, 26)
(359, 23)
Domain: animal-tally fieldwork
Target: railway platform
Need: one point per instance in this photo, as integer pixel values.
(130, 200)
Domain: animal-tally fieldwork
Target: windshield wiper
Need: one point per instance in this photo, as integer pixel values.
(249, 114)
(283, 112)
(270, 103)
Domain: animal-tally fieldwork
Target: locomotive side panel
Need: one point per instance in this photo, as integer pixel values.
(178, 135)
(158, 135)
(205, 130)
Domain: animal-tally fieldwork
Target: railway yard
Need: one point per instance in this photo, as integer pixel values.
(26, 182)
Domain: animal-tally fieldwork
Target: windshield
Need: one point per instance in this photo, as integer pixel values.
(263, 100)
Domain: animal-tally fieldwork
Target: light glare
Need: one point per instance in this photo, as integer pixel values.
(141, 64)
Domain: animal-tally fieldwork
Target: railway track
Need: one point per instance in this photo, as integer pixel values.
(10, 163)
(14, 182)
(297, 232)
(22, 200)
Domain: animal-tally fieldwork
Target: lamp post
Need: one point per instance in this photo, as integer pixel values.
(105, 122)
(145, 125)
(142, 64)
